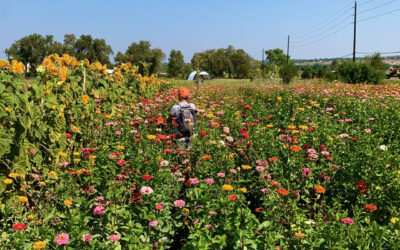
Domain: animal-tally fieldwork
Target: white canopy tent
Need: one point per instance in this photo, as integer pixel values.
(203, 74)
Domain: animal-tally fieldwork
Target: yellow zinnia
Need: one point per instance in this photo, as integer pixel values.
(246, 167)
(227, 187)
(8, 181)
(39, 245)
(244, 190)
(67, 203)
(52, 174)
(22, 199)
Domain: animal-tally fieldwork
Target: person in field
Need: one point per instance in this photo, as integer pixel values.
(185, 114)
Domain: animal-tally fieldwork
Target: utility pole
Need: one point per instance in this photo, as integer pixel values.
(288, 41)
(355, 31)
(262, 65)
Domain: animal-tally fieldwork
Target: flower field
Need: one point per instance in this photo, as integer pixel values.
(88, 161)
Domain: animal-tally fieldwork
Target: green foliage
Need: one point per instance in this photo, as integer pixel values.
(288, 72)
(276, 56)
(359, 72)
(376, 61)
(227, 62)
(88, 48)
(176, 64)
(140, 54)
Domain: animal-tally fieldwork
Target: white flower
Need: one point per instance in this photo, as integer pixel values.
(383, 147)
(309, 222)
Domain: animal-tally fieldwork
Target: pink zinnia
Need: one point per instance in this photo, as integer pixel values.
(159, 207)
(99, 210)
(179, 203)
(326, 153)
(164, 163)
(209, 181)
(146, 190)
(347, 221)
(233, 171)
(87, 238)
(229, 138)
(315, 156)
(114, 237)
(194, 181)
(367, 130)
(62, 239)
(306, 172)
(153, 223)
(226, 130)
(222, 175)
(260, 168)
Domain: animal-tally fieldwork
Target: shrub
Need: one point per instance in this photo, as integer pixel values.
(353, 72)
(288, 71)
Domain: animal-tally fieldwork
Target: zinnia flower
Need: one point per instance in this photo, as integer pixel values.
(146, 190)
(114, 237)
(159, 207)
(62, 239)
(153, 223)
(209, 181)
(179, 203)
(39, 245)
(99, 210)
(87, 238)
(347, 221)
(227, 187)
(282, 191)
(319, 189)
(370, 208)
(19, 226)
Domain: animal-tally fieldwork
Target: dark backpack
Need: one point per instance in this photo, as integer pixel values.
(186, 119)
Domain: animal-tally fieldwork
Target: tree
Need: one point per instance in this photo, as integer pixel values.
(276, 56)
(288, 71)
(275, 59)
(92, 49)
(176, 64)
(141, 55)
(30, 49)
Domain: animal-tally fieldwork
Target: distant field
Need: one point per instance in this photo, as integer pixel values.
(246, 82)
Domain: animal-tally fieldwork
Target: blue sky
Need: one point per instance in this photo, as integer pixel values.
(193, 26)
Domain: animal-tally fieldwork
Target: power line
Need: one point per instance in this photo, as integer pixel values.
(318, 27)
(376, 7)
(383, 14)
(367, 2)
(341, 21)
(336, 31)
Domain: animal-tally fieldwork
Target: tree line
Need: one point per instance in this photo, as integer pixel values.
(223, 62)
(229, 62)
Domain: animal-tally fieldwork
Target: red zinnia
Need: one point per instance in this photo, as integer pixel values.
(232, 197)
(370, 208)
(203, 133)
(159, 207)
(146, 177)
(361, 185)
(19, 226)
(68, 135)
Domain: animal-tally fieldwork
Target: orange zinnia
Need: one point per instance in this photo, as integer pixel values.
(274, 183)
(273, 159)
(282, 191)
(295, 148)
(370, 208)
(319, 189)
(206, 157)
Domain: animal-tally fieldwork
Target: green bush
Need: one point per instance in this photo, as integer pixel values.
(353, 72)
(288, 71)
